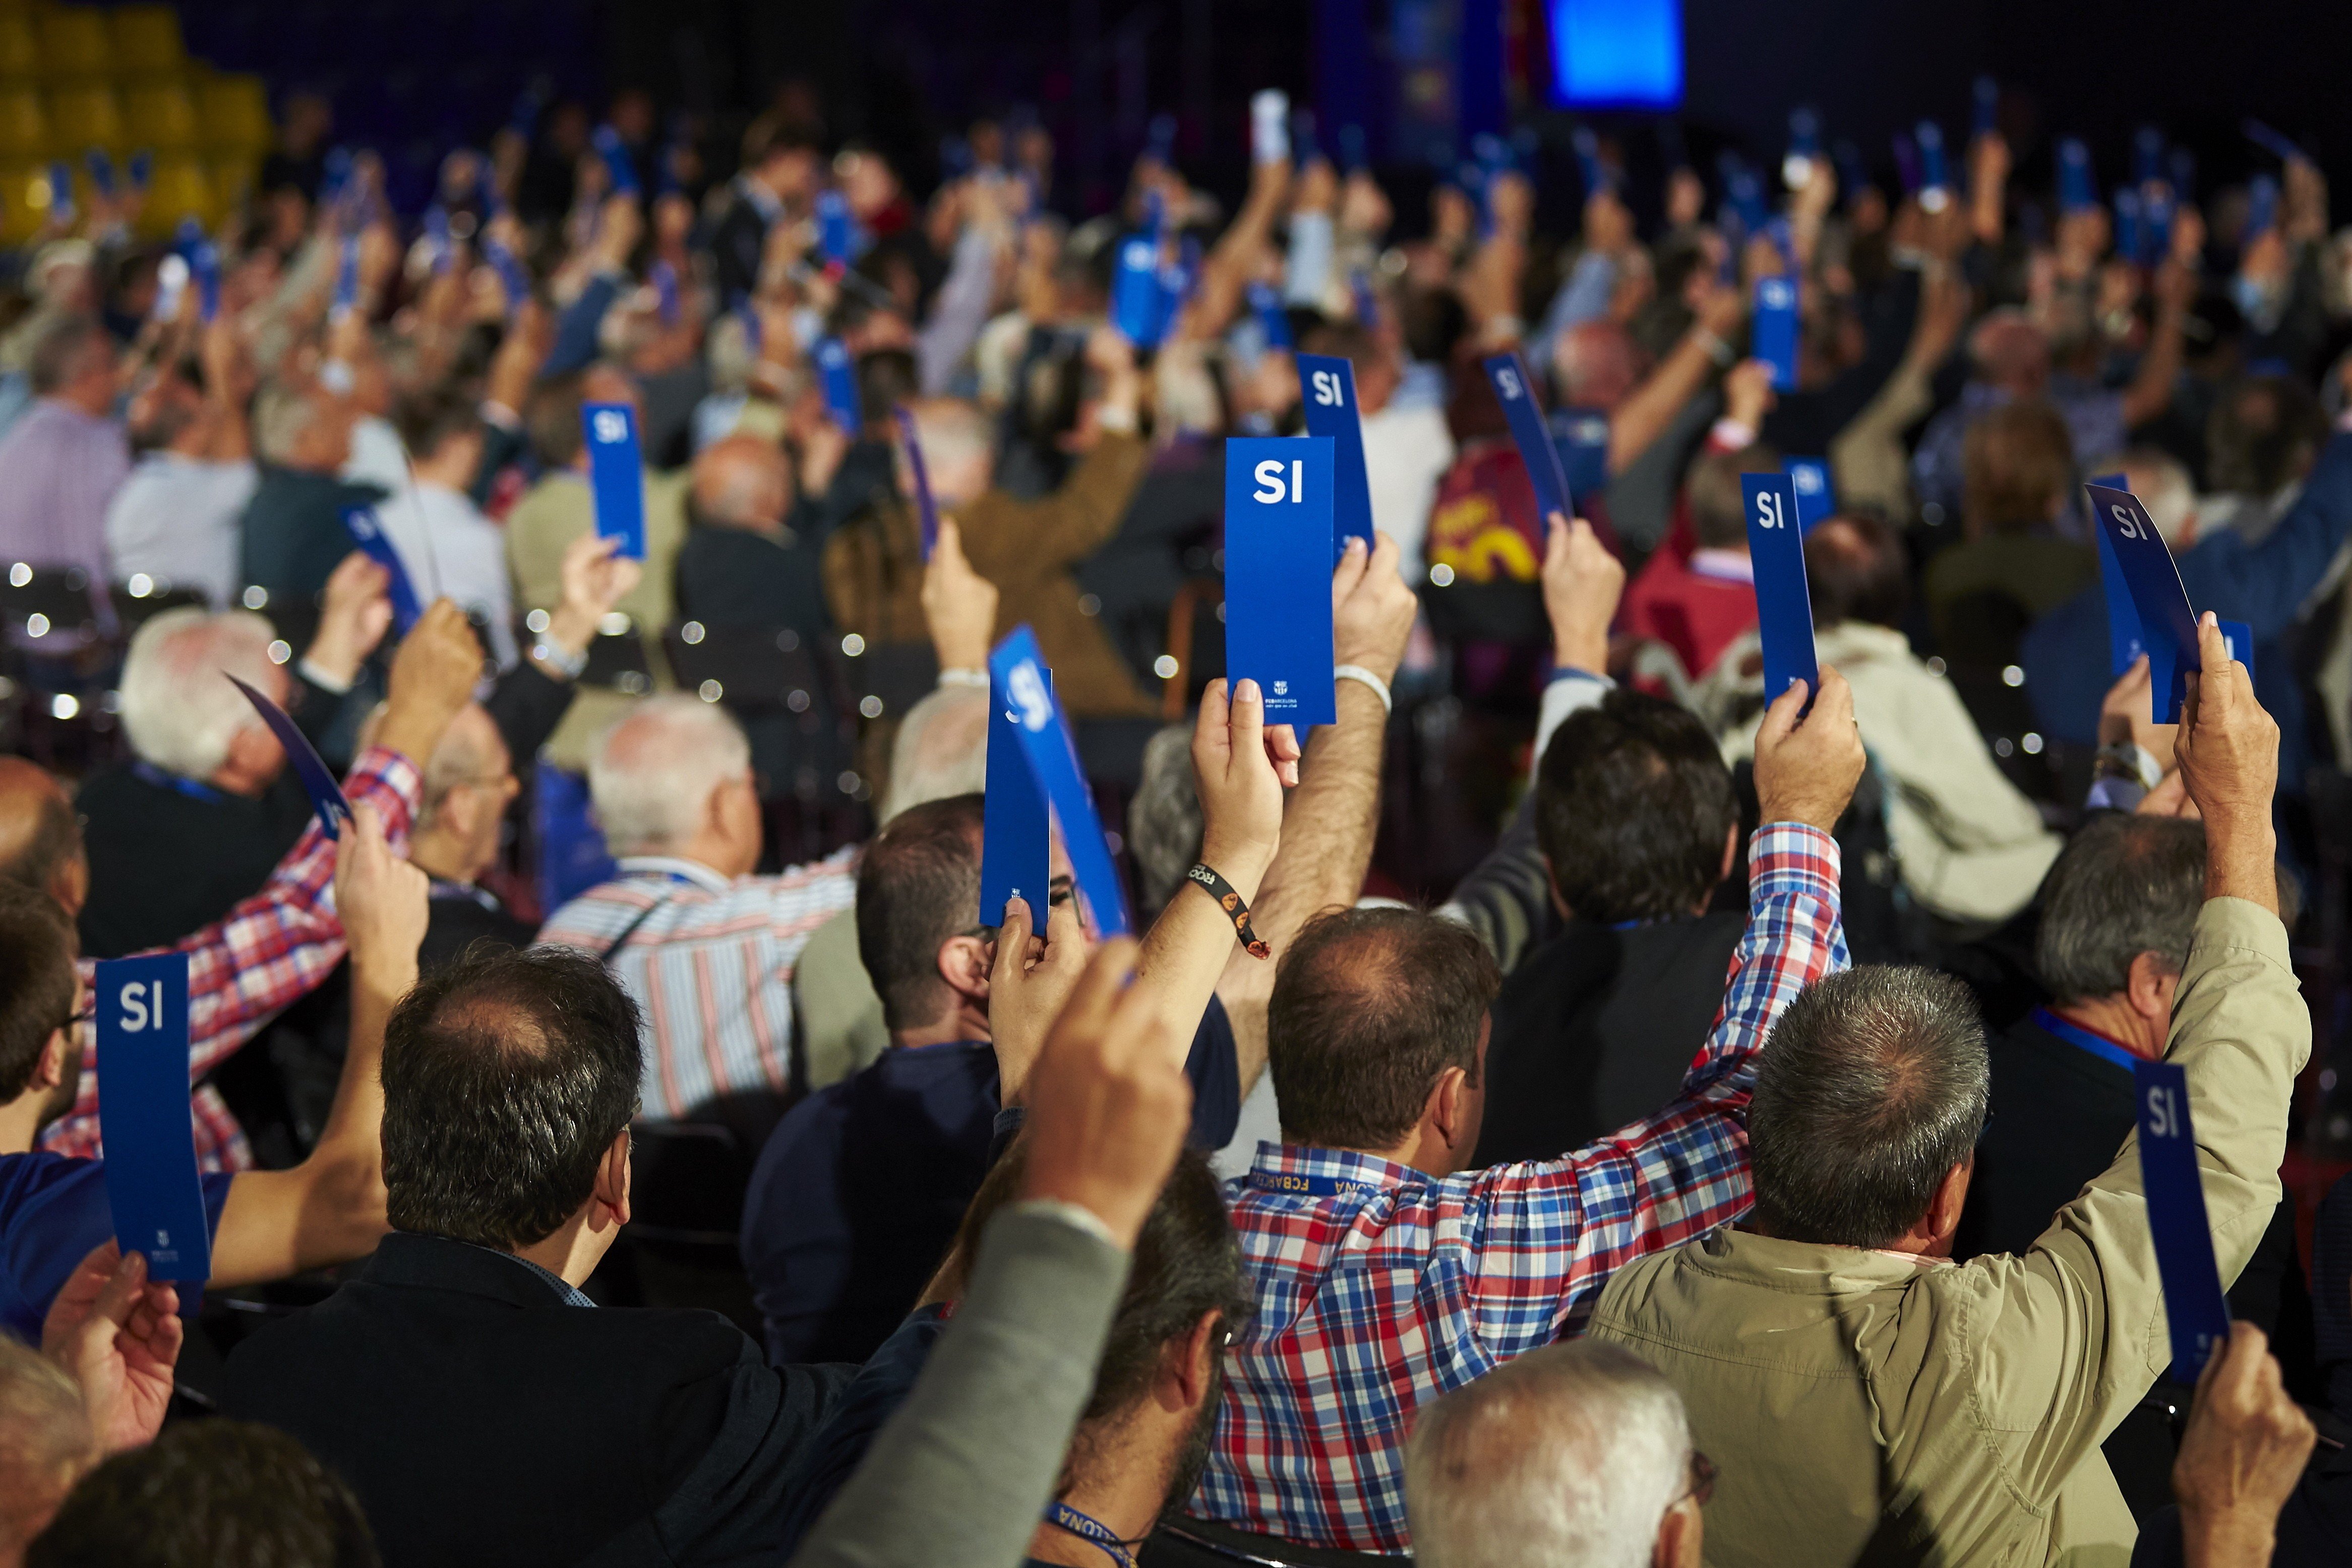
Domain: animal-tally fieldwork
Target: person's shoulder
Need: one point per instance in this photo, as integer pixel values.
(32, 1177)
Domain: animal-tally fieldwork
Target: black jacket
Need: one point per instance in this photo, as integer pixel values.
(1596, 1027)
(168, 857)
(483, 1420)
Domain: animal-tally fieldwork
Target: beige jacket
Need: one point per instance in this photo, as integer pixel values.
(1971, 847)
(1870, 1408)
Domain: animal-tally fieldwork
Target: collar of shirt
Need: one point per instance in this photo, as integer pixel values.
(693, 871)
(443, 887)
(572, 1294)
(1723, 566)
(1300, 1170)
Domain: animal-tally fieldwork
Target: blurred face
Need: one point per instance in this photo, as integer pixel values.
(475, 811)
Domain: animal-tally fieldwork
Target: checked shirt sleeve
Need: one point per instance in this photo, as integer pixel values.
(253, 961)
(1549, 1234)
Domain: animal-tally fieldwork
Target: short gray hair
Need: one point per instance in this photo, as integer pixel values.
(281, 413)
(57, 352)
(1164, 820)
(179, 712)
(1871, 1088)
(941, 749)
(654, 772)
(1567, 1457)
(2123, 886)
(46, 1441)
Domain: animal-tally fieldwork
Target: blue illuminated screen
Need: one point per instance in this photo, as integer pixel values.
(1617, 52)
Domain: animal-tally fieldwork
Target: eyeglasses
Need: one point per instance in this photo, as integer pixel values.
(1702, 1479)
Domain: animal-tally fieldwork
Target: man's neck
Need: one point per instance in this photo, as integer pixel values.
(960, 1023)
(2114, 1018)
(572, 1252)
(20, 1119)
(439, 857)
(1126, 1502)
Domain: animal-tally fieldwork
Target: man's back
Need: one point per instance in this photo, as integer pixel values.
(482, 1419)
(169, 855)
(63, 466)
(292, 532)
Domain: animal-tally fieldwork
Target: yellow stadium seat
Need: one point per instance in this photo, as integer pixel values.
(74, 43)
(84, 116)
(23, 124)
(20, 48)
(179, 188)
(20, 220)
(146, 40)
(233, 112)
(232, 175)
(160, 115)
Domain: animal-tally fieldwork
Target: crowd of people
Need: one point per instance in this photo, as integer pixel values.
(1644, 1118)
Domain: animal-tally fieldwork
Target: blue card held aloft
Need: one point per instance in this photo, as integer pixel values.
(1018, 669)
(1135, 292)
(2194, 1308)
(1265, 304)
(927, 510)
(1784, 607)
(1278, 544)
(2152, 584)
(1810, 478)
(152, 1185)
(1016, 852)
(359, 522)
(616, 474)
(618, 166)
(2125, 643)
(837, 375)
(1773, 333)
(2240, 638)
(318, 782)
(1329, 384)
(1508, 375)
(836, 230)
(1581, 435)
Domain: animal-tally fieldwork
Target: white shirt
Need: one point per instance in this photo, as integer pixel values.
(179, 521)
(1406, 451)
(377, 456)
(453, 552)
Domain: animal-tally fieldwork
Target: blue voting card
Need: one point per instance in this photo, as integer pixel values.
(102, 171)
(1135, 292)
(617, 162)
(203, 267)
(1279, 496)
(1986, 118)
(836, 228)
(1265, 304)
(1581, 435)
(1934, 180)
(667, 303)
(2152, 583)
(1019, 670)
(1329, 382)
(317, 783)
(1810, 478)
(926, 508)
(837, 374)
(142, 169)
(359, 522)
(2125, 643)
(347, 278)
(616, 475)
(2240, 638)
(142, 1093)
(2077, 189)
(1016, 850)
(1774, 332)
(1784, 607)
(1508, 375)
(511, 276)
(2193, 1304)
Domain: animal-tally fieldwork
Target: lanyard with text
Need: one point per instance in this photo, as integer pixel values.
(1311, 1187)
(148, 772)
(2076, 1035)
(1063, 1517)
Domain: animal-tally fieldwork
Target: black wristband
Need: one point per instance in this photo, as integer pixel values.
(1230, 900)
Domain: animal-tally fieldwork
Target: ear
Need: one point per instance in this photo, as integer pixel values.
(1184, 1379)
(964, 964)
(69, 884)
(1730, 852)
(611, 1189)
(1446, 1112)
(50, 1071)
(1951, 1198)
(252, 753)
(1679, 1536)
(1559, 904)
(2150, 987)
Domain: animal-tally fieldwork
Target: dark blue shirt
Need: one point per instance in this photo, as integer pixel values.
(859, 1192)
(53, 1211)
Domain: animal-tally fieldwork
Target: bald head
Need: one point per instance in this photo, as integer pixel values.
(959, 450)
(743, 482)
(1595, 364)
(41, 840)
(2012, 353)
(941, 750)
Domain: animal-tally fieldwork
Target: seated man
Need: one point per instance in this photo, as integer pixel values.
(292, 534)
(706, 948)
(175, 521)
(464, 1364)
(1698, 606)
(469, 785)
(65, 457)
(1574, 1455)
(1865, 1396)
(1386, 1272)
(450, 550)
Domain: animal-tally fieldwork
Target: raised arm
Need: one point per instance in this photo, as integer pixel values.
(1644, 416)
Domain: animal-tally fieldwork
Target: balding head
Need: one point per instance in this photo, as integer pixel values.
(1595, 366)
(2008, 351)
(1570, 1456)
(941, 750)
(468, 781)
(741, 481)
(40, 837)
(959, 450)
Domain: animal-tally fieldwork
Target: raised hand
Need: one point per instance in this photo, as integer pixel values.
(1029, 982)
(383, 902)
(356, 614)
(595, 577)
(1372, 610)
(2228, 751)
(958, 604)
(120, 1336)
(2126, 714)
(433, 676)
(1807, 763)
(1581, 585)
(1240, 785)
(2241, 1456)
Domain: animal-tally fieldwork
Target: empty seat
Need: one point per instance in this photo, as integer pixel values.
(146, 40)
(23, 124)
(179, 188)
(234, 114)
(20, 47)
(86, 114)
(160, 115)
(74, 43)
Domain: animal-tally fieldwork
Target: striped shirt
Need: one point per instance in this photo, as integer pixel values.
(265, 952)
(1380, 1286)
(711, 960)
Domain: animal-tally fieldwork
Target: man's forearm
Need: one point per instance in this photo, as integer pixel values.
(1644, 416)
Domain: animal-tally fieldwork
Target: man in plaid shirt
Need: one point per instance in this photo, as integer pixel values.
(1385, 1274)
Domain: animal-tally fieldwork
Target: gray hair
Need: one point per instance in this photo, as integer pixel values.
(941, 749)
(464, 755)
(653, 773)
(2123, 886)
(1164, 820)
(281, 413)
(2163, 487)
(954, 431)
(57, 352)
(46, 1441)
(1567, 1457)
(1871, 1088)
(178, 711)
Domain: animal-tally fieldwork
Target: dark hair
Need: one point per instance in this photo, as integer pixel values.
(2017, 461)
(37, 982)
(551, 419)
(204, 1494)
(1633, 805)
(2123, 886)
(1856, 570)
(767, 138)
(57, 352)
(917, 886)
(1718, 504)
(1433, 323)
(1871, 1088)
(427, 419)
(506, 1076)
(1369, 1006)
(1345, 340)
(2261, 433)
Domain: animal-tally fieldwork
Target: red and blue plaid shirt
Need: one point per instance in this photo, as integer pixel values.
(251, 963)
(1380, 1286)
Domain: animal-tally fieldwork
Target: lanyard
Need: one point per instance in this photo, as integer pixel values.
(2077, 1035)
(148, 772)
(447, 890)
(1065, 1518)
(1311, 1187)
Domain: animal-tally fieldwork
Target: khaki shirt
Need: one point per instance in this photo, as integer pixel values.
(1872, 1407)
